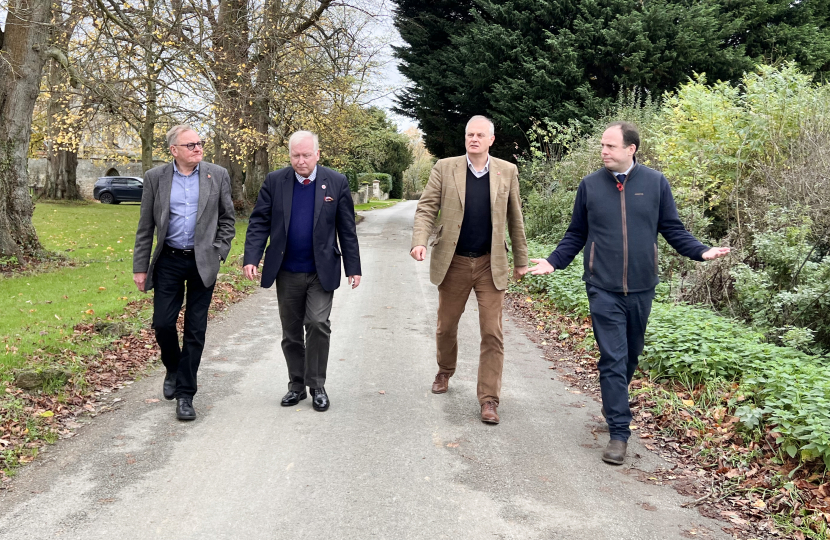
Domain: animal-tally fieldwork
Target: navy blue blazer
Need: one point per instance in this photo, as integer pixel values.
(334, 236)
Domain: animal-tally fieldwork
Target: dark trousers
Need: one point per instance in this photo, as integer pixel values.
(619, 322)
(306, 329)
(173, 275)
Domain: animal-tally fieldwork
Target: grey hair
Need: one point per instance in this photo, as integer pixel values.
(298, 136)
(481, 117)
(175, 131)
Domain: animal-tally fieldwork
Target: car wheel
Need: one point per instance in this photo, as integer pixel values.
(107, 198)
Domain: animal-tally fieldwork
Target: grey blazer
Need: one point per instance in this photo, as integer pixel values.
(214, 220)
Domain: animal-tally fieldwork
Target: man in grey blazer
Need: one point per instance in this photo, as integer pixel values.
(187, 205)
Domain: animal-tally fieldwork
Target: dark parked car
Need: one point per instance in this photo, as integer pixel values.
(116, 189)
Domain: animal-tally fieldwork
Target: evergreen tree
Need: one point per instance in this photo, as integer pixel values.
(439, 98)
(516, 60)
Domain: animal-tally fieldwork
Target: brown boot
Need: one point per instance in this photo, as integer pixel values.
(441, 384)
(615, 452)
(488, 412)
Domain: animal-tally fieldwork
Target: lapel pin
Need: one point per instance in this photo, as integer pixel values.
(208, 176)
(323, 186)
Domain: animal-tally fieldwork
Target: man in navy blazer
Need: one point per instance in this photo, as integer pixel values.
(306, 210)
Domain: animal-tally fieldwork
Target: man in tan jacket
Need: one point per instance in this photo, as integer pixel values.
(476, 195)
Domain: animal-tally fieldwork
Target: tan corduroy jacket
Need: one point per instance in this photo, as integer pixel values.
(445, 192)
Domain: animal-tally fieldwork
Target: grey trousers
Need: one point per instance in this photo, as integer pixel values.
(306, 329)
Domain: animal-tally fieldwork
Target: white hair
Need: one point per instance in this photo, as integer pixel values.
(298, 136)
(175, 131)
(480, 117)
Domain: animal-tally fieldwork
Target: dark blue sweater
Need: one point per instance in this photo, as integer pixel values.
(299, 249)
(619, 230)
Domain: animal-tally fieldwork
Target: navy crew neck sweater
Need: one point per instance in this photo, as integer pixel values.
(299, 247)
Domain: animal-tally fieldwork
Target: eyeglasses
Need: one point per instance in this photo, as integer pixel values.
(192, 145)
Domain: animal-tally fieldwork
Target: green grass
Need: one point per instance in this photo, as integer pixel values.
(38, 312)
(375, 204)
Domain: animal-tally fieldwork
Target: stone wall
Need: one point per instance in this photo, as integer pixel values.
(89, 170)
(377, 193)
(361, 196)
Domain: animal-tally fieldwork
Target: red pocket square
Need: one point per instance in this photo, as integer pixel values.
(329, 199)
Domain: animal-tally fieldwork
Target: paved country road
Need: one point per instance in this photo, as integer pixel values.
(389, 460)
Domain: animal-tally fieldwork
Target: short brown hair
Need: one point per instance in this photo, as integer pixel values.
(630, 133)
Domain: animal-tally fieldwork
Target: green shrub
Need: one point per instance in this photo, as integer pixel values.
(396, 191)
(564, 288)
(778, 386)
(354, 185)
(786, 287)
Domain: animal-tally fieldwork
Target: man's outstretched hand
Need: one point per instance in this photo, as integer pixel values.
(715, 253)
(542, 267)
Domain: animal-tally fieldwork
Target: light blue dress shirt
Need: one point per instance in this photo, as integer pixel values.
(184, 204)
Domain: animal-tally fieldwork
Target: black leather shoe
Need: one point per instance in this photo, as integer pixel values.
(292, 398)
(321, 399)
(615, 452)
(184, 409)
(169, 388)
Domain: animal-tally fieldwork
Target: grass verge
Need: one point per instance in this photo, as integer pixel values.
(375, 204)
(72, 332)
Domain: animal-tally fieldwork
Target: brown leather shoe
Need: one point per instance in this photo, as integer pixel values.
(488, 412)
(615, 452)
(441, 383)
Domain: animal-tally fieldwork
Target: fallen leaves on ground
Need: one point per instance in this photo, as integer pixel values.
(33, 419)
(30, 265)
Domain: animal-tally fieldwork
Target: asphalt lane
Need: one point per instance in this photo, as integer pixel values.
(389, 460)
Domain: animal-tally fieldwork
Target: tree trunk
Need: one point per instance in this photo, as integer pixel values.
(62, 175)
(224, 153)
(151, 88)
(233, 84)
(149, 126)
(21, 66)
(62, 157)
(258, 165)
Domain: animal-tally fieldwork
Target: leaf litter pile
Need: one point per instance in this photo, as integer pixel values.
(31, 419)
(33, 264)
(747, 481)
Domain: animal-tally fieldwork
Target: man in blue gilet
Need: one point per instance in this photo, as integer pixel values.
(617, 214)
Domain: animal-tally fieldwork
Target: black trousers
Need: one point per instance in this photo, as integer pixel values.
(306, 329)
(174, 274)
(619, 323)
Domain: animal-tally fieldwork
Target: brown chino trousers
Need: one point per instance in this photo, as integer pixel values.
(466, 274)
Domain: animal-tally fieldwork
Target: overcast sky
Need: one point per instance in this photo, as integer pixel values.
(389, 77)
